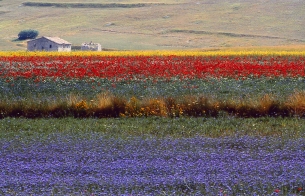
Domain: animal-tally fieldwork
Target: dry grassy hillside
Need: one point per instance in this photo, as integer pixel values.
(172, 24)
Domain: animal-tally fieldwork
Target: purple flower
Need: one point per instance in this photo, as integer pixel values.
(67, 165)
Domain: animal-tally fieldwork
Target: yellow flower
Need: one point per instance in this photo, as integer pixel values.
(261, 52)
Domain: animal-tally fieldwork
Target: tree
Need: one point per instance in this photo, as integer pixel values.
(27, 34)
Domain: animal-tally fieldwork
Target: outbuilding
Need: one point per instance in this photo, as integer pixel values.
(49, 44)
(91, 46)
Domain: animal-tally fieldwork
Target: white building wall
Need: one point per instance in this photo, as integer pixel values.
(64, 48)
(43, 44)
(91, 47)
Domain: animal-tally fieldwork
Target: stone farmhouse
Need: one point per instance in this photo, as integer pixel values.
(91, 46)
(49, 44)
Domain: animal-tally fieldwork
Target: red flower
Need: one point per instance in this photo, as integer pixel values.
(277, 190)
(154, 67)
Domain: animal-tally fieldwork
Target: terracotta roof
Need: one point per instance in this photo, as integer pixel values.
(57, 40)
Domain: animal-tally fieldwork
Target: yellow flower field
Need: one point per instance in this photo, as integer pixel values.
(162, 53)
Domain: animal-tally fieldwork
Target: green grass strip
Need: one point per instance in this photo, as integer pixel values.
(46, 129)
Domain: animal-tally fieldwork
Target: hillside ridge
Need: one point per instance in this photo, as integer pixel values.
(155, 24)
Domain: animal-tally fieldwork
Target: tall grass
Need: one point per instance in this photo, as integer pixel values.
(108, 105)
(296, 103)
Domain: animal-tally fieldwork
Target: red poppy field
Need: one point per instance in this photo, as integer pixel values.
(148, 67)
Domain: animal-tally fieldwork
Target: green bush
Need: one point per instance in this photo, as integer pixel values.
(27, 34)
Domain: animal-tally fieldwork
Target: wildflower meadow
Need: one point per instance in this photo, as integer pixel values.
(152, 123)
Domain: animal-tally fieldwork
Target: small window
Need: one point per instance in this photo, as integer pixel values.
(34, 44)
(50, 46)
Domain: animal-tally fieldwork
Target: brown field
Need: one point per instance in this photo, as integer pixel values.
(178, 24)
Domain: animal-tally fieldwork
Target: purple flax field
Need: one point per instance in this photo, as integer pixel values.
(65, 165)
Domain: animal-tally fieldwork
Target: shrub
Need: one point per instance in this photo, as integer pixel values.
(27, 34)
